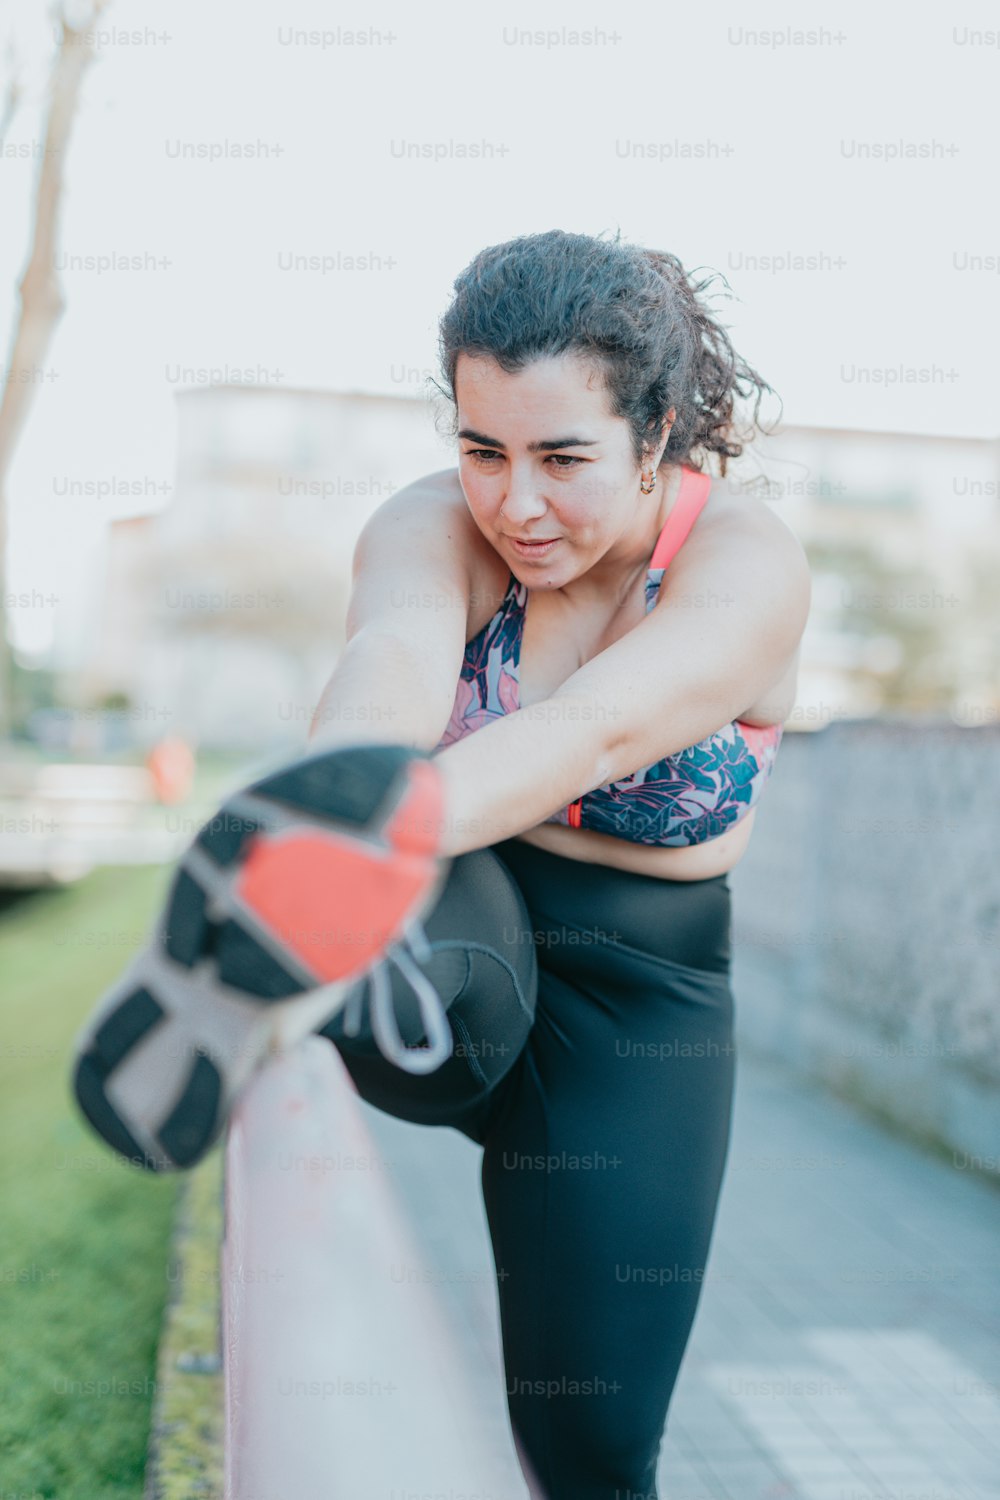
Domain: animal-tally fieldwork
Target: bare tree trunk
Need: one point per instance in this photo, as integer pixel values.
(11, 100)
(41, 301)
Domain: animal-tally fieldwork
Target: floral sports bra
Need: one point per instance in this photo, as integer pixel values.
(686, 798)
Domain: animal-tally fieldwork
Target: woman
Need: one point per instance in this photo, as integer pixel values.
(553, 891)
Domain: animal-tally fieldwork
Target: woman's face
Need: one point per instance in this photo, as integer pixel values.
(542, 457)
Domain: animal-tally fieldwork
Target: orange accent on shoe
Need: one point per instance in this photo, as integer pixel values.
(335, 905)
(415, 826)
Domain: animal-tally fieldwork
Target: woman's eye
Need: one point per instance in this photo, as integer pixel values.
(561, 460)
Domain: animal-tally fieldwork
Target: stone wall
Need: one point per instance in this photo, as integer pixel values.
(866, 924)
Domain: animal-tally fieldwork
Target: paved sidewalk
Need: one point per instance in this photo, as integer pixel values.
(847, 1344)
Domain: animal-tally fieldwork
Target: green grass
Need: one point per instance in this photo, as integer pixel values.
(186, 1454)
(84, 1237)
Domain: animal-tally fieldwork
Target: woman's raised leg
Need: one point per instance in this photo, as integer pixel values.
(484, 969)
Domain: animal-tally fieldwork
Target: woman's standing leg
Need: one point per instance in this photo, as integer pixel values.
(602, 1169)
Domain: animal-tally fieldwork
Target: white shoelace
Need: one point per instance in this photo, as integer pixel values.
(432, 1009)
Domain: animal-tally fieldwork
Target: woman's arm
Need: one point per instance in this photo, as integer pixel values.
(673, 680)
(406, 624)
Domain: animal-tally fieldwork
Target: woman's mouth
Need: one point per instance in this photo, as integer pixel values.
(533, 549)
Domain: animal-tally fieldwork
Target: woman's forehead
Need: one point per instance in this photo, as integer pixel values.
(548, 384)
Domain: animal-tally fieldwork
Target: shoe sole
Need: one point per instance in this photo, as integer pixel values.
(243, 961)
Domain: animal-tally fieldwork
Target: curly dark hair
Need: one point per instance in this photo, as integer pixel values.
(634, 312)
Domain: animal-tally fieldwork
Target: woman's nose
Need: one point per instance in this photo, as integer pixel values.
(522, 501)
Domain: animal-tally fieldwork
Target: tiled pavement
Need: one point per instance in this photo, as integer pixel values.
(847, 1344)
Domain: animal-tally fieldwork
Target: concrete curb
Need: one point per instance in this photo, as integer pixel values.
(185, 1456)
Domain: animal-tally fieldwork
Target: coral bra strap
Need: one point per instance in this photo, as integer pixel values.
(690, 500)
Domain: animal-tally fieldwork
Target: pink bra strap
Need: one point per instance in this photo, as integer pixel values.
(690, 500)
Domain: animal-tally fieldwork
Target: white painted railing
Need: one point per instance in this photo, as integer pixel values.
(340, 1383)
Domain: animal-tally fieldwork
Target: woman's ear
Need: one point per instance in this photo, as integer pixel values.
(668, 422)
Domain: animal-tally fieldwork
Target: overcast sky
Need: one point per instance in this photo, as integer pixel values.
(733, 136)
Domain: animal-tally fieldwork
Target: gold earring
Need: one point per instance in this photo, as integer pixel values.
(648, 489)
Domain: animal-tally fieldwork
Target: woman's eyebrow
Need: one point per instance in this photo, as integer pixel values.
(544, 445)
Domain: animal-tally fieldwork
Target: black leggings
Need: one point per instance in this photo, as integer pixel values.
(594, 1063)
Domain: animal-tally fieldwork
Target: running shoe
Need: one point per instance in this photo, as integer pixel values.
(315, 875)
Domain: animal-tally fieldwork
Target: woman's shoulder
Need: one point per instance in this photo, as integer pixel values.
(440, 497)
(740, 544)
(737, 523)
(729, 509)
(728, 506)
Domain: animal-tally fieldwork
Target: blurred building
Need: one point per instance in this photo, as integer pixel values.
(223, 614)
(903, 536)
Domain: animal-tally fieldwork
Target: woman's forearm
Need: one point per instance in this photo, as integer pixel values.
(376, 694)
(499, 781)
(515, 772)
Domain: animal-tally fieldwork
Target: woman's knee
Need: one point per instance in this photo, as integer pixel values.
(482, 965)
(481, 903)
(481, 948)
